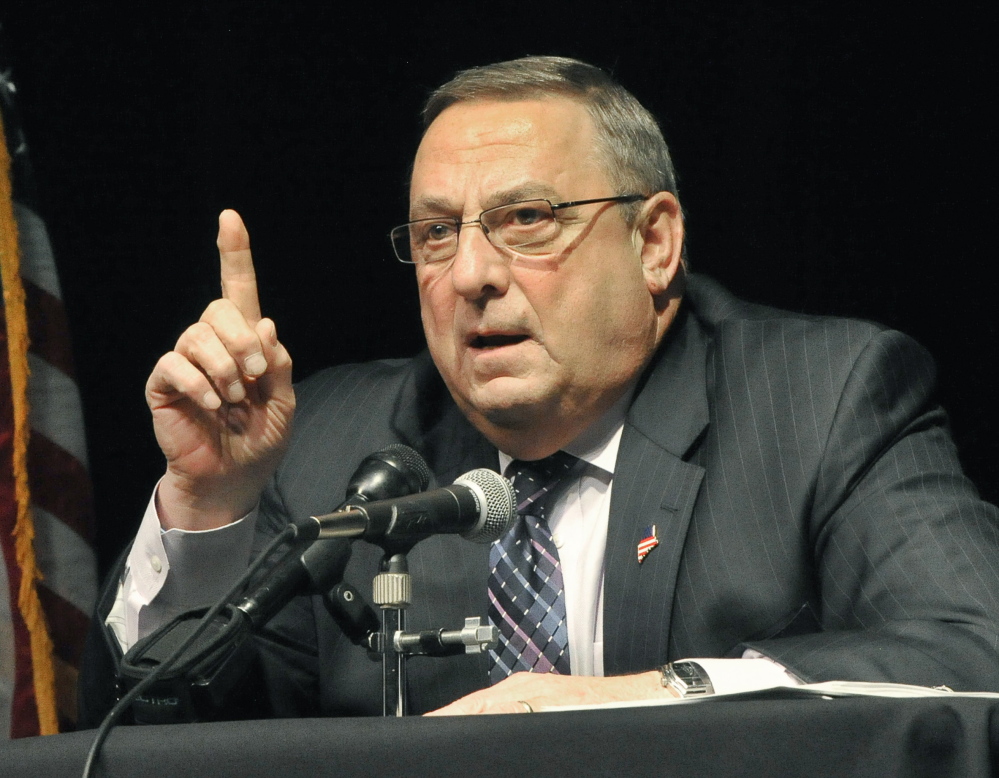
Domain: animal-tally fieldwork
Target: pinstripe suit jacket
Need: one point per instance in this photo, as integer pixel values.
(806, 491)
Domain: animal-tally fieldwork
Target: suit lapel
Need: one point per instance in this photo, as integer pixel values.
(653, 485)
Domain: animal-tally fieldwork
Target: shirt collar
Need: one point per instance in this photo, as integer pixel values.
(599, 443)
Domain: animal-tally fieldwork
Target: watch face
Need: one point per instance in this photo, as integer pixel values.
(687, 679)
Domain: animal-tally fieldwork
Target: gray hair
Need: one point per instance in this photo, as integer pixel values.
(628, 136)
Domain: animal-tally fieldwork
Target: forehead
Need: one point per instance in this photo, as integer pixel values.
(477, 151)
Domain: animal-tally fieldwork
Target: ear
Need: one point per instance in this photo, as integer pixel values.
(659, 231)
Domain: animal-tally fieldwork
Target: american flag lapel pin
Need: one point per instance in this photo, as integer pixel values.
(648, 542)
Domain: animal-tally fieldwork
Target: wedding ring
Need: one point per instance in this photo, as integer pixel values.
(527, 706)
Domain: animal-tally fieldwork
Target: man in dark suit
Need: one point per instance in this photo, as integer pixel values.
(799, 487)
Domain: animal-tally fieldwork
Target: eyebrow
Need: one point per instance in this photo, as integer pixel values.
(532, 190)
(429, 207)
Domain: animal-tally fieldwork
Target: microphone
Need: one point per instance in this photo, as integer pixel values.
(479, 506)
(394, 471)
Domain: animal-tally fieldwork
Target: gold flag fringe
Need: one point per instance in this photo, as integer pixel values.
(24, 530)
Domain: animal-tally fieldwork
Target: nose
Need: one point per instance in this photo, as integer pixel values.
(478, 269)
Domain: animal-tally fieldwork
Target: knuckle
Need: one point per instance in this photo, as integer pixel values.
(243, 343)
(217, 308)
(221, 367)
(170, 366)
(282, 359)
(204, 351)
(174, 372)
(198, 333)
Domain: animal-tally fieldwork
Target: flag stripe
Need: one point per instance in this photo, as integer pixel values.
(66, 561)
(69, 625)
(55, 409)
(60, 485)
(37, 263)
(47, 326)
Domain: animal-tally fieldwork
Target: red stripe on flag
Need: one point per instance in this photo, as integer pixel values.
(60, 485)
(48, 327)
(67, 625)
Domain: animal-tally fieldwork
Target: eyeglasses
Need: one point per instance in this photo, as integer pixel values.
(530, 227)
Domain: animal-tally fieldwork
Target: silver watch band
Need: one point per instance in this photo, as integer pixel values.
(687, 679)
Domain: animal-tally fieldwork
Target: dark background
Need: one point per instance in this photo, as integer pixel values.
(834, 158)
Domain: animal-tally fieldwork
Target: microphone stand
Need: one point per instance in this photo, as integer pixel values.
(393, 593)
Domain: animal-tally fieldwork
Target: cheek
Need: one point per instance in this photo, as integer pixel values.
(436, 310)
(603, 331)
(599, 309)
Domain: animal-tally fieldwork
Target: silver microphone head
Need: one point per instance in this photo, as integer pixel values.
(497, 505)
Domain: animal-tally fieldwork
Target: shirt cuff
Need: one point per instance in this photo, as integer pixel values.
(171, 571)
(732, 676)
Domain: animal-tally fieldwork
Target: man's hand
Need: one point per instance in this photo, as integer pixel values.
(526, 692)
(222, 400)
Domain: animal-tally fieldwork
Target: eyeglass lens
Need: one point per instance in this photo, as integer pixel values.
(527, 227)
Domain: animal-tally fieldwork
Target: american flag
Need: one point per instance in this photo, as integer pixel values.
(47, 561)
(648, 542)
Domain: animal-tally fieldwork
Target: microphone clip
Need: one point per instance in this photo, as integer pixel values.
(474, 638)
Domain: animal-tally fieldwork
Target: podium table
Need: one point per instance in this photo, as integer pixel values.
(795, 737)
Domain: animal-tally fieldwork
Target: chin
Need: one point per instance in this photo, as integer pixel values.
(512, 409)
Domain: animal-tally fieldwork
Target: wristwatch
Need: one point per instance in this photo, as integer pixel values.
(687, 679)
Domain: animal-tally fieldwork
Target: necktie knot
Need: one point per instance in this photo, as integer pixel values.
(535, 484)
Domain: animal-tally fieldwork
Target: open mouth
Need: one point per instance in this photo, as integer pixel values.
(496, 341)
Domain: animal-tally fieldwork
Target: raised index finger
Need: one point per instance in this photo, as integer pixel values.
(239, 282)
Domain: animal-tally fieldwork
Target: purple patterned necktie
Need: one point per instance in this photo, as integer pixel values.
(526, 599)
